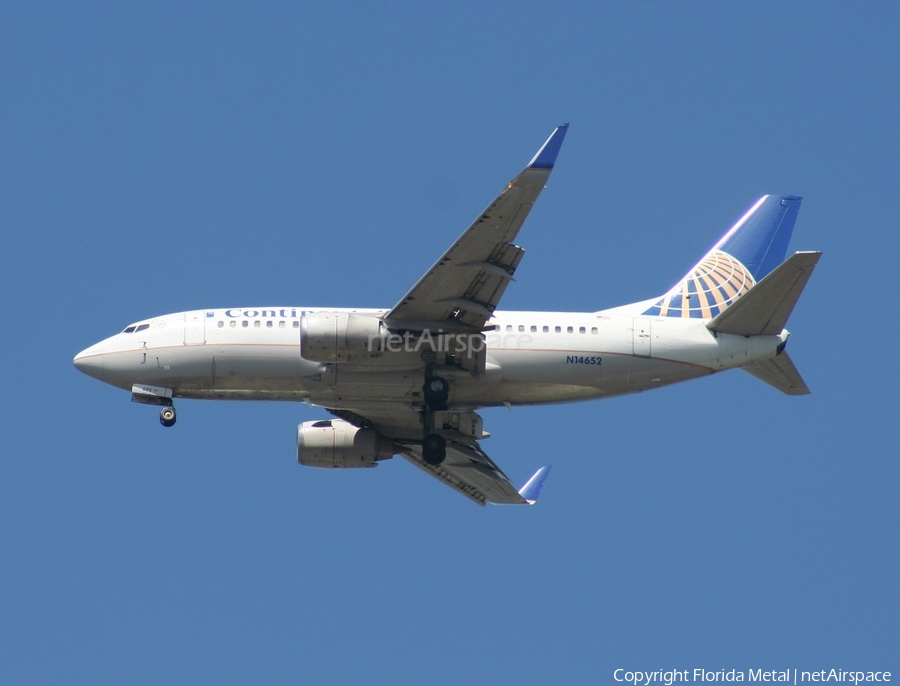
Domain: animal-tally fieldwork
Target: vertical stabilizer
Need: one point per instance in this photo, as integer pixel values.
(746, 254)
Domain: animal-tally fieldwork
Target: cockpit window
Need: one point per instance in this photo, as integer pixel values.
(130, 329)
(142, 327)
(136, 327)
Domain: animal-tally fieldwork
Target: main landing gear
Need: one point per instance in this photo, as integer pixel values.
(167, 416)
(436, 391)
(434, 449)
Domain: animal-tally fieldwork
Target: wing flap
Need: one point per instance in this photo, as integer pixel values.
(466, 468)
(444, 476)
(470, 471)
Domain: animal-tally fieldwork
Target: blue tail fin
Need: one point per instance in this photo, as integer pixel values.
(750, 250)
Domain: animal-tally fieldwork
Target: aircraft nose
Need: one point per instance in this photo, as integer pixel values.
(90, 361)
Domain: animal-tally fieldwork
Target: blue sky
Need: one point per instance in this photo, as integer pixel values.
(163, 158)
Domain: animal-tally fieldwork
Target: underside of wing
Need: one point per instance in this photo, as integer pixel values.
(466, 467)
(462, 290)
(470, 471)
(457, 295)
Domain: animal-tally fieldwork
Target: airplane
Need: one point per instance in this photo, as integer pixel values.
(409, 380)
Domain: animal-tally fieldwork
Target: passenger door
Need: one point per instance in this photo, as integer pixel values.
(195, 327)
(641, 337)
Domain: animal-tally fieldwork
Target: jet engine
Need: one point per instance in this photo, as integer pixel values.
(336, 444)
(341, 336)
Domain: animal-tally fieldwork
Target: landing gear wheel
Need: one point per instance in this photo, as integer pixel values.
(434, 449)
(436, 391)
(167, 416)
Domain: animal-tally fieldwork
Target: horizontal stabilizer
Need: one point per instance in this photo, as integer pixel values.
(766, 307)
(779, 372)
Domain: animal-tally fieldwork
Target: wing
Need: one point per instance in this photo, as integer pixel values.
(469, 470)
(459, 293)
(462, 290)
(466, 468)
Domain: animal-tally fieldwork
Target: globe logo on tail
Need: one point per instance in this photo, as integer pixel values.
(708, 289)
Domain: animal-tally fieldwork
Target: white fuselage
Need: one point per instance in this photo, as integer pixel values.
(408, 380)
(530, 358)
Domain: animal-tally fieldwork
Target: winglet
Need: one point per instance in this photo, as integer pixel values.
(546, 156)
(531, 491)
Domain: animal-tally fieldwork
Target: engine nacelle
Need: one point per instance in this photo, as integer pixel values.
(341, 336)
(336, 444)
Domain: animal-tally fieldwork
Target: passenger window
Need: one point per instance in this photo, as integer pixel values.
(281, 325)
(569, 329)
(546, 329)
(296, 324)
(594, 329)
(245, 323)
(581, 329)
(269, 324)
(256, 324)
(533, 329)
(232, 323)
(509, 327)
(557, 329)
(220, 323)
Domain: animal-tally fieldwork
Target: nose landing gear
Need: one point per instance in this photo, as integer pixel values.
(156, 395)
(167, 416)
